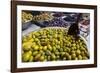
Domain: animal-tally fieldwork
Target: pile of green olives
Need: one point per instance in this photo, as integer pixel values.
(42, 17)
(52, 45)
(26, 17)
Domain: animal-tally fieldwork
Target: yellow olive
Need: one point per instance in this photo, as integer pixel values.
(82, 49)
(40, 48)
(78, 52)
(74, 45)
(76, 58)
(31, 59)
(36, 39)
(48, 52)
(54, 49)
(64, 58)
(27, 45)
(80, 57)
(57, 53)
(69, 57)
(42, 58)
(48, 58)
(31, 40)
(36, 47)
(62, 53)
(72, 52)
(35, 53)
(24, 39)
(26, 56)
(83, 53)
(45, 48)
(49, 47)
(73, 56)
(86, 53)
(84, 58)
(53, 57)
(26, 17)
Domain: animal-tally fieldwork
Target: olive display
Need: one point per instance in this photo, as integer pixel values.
(26, 17)
(52, 44)
(42, 17)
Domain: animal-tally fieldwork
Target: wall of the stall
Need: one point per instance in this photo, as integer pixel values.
(5, 36)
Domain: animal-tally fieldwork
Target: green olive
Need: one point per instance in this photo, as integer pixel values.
(62, 54)
(35, 53)
(66, 54)
(57, 53)
(73, 56)
(49, 47)
(48, 52)
(45, 48)
(86, 53)
(36, 39)
(26, 56)
(36, 47)
(53, 57)
(42, 58)
(31, 59)
(69, 57)
(58, 57)
(68, 50)
(40, 48)
(54, 49)
(78, 52)
(82, 49)
(64, 58)
(80, 57)
(74, 45)
(49, 58)
(84, 58)
(72, 52)
(24, 39)
(26, 46)
(61, 49)
(52, 45)
(76, 58)
(37, 57)
(83, 53)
